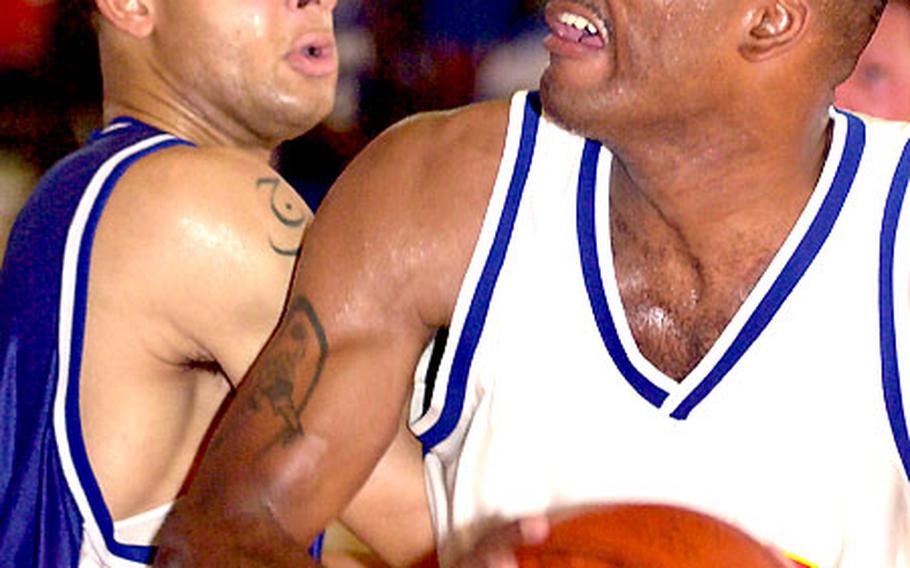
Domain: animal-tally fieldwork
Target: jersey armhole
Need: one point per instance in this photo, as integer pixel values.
(436, 405)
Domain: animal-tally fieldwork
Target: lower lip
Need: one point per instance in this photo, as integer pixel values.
(559, 46)
(322, 65)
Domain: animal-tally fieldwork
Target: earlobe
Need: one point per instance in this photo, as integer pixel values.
(131, 16)
(772, 27)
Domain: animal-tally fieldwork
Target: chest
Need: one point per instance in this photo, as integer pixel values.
(677, 305)
(797, 408)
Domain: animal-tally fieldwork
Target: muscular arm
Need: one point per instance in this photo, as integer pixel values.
(379, 271)
(185, 288)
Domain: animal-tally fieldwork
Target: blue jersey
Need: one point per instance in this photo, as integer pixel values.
(49, 497)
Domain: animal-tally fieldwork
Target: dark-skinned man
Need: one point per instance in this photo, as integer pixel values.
(678, 275)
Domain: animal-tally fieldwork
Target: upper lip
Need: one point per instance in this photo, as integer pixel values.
(585, 10)
(323, 40)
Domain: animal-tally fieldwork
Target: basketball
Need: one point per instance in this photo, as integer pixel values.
(646, 536)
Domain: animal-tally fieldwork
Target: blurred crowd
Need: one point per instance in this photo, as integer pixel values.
(398, 57)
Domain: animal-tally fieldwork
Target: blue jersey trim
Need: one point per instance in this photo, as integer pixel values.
(590, 265)
(795, 268)
(791, 274)
(891, 381)
(316, 547)
(115, 126)
(136, 553)
(480, 303)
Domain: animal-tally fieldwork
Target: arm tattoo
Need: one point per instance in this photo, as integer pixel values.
(277, 388)
(288, 212)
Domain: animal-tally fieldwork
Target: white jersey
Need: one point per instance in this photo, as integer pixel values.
(792, 427)
(141, 528)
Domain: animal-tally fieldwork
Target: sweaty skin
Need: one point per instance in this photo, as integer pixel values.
(196, 243)
(708, 179)
(195, 249)
(380, 321)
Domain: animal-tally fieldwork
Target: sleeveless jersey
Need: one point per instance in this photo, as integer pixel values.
(51, 507)
(793, 425)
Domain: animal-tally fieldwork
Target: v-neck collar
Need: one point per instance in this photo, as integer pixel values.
(780, 277)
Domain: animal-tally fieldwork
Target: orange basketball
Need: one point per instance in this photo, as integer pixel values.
(646, 536)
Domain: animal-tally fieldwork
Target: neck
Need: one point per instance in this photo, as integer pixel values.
(180, 121)
(702, 180)
(132, 87)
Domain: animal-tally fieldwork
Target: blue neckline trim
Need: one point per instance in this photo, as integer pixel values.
(894, 402)
(123, 123)
(480, 303)
(791, 274)
(590, 265)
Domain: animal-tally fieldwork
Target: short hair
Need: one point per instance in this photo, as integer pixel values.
(849, 27)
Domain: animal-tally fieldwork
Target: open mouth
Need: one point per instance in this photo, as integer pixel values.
(314, 55)
(575, 23)
(314, 51)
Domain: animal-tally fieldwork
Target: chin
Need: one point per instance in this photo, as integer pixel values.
(303, 115)
(577, 110)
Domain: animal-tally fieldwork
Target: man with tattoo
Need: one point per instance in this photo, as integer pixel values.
(677, 275)
(148, 270)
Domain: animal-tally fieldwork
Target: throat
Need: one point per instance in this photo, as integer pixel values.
(677, 304)
(674, 338)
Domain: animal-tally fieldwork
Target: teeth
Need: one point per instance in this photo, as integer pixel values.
(578, 22)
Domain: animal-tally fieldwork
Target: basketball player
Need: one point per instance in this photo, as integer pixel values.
(149, 268)
(678, 275)
(880, 85)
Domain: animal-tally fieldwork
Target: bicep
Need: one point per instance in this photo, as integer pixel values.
(219, 256)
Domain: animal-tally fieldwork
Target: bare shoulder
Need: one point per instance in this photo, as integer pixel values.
(470, 132)
(430, 149)
(206, 238)
(419, 168)
(413, 203)
(220, 199)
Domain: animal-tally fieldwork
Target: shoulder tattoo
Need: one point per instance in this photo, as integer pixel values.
(290, 213)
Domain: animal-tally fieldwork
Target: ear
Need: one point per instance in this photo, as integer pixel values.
(134, 17)
(773, 26)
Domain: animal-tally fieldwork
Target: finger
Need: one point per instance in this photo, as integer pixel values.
(534, 530)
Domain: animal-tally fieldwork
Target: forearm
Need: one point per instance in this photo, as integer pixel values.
(290, 453)
(260, 460)
(230, 518)
(230, 542)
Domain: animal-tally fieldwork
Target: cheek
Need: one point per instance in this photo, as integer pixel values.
(850, 95)
(900, 97)
(878, 87)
